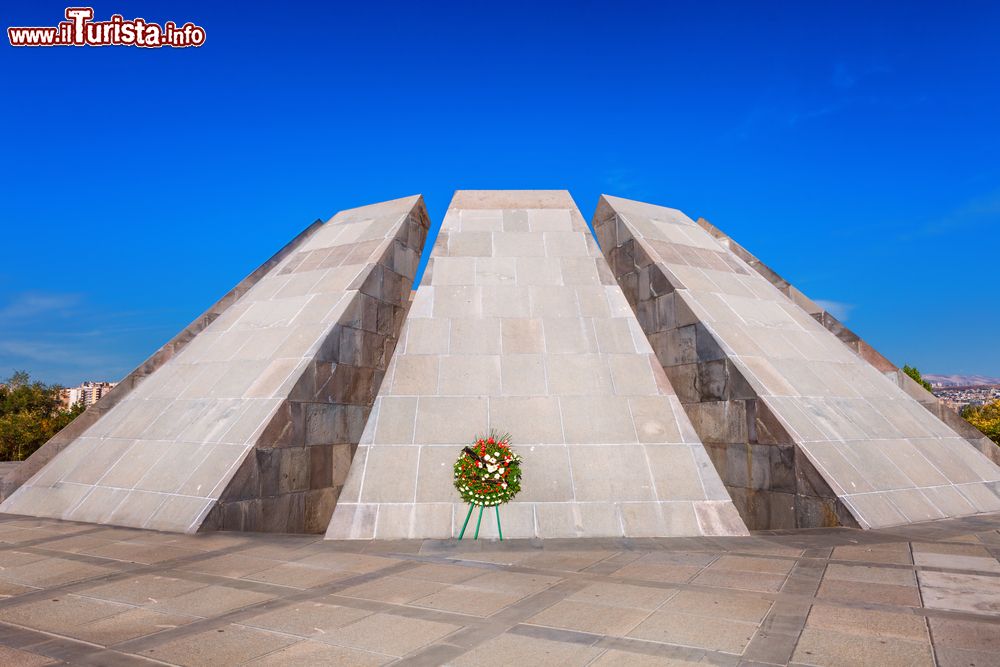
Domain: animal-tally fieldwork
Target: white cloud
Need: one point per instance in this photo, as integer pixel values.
(32, 304)
(61, 337)
(976, 212)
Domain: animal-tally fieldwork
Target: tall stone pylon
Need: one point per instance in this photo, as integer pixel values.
(519, 326)
(803, 431)
(248, 419)
(860, 347)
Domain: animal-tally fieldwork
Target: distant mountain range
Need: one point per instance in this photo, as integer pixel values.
(959, 380)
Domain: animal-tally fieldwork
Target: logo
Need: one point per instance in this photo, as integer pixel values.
(79, 29)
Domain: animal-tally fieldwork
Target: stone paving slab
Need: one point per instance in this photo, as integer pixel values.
(70, 594)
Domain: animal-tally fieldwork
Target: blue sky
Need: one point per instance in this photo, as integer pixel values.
(854, 147)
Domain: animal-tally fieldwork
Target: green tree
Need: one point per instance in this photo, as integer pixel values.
(30, 414)
(917, 377)
(986, 418)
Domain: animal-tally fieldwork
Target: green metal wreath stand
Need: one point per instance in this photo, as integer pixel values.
(479, 521)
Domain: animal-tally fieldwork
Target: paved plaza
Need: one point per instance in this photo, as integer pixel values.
(668, 394)
(84, 594)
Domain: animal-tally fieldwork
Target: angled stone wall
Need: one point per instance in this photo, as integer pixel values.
(857, 345)
(21, 473)
(519, 326)
(803, 432)
(253, 423)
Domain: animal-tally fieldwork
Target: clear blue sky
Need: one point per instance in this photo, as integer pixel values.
(855, 147)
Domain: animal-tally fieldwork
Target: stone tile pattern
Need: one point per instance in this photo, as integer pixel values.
(857, 345)
(252, 425)
(926, 594)
(18, 474)
(518, 326)
(803, 432)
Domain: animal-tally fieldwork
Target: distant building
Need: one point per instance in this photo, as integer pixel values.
(959, 397)
(70, 396)
(88, 392)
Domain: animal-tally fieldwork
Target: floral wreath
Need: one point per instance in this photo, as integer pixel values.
(488, 472)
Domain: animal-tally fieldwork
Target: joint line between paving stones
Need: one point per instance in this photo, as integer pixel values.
(48, 640)
(248, 611)
(125, 571)
(690, 585)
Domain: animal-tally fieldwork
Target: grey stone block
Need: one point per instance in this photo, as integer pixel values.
(523, 375)
(535, 419)
(567, 520)
(469, 375)
(447, 420)
(578, 375)
(569, 335)
(414, 520)
(556, 485)
(351, 521)
(654, 419)
(389, 475)
(653, 519)
(475, 336)
(675, 472)
(632, 481)
(597, 419)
